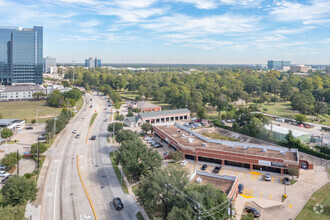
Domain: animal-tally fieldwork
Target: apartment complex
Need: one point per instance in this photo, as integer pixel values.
(279, 65)
(18, 93)
(92, 62)
(50, 65)
(21, 54)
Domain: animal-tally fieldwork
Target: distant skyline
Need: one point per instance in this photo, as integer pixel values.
(178, 31)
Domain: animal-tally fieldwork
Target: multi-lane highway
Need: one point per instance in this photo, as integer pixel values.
(63, 195)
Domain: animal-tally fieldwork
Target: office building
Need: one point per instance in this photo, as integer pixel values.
(92, 62)
(278, 65)
(300, 68)
(21, 53)
(50, 65)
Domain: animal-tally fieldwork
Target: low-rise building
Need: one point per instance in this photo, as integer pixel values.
(158, 117)
(279, 133)
(144, 106)
(196, 147)
(300, 68)
(61, 88)
(19, 93)
(12, 124)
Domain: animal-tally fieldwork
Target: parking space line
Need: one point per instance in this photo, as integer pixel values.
(229, 172)
(272, 179)
(244, 174)
(221, 171)
(252, 176)
(270, 197)
(236, 173)
(260, 194)
(186, 165)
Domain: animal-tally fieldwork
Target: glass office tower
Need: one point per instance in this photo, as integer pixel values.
(21, 54)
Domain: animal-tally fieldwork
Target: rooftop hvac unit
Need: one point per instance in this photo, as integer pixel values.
(244, 147)
(282, 152)
(204, 144)
(183, 135)
(264, 150)
(178, 130)
(190, 140)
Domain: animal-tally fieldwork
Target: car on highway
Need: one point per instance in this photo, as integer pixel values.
(204, 167)
(91, 106)
(252, 210)
(105, 120)
(77, 136)
(118, 203)
(93, 137)
(286, 181)
(268, 177)
(4, 173)
(217, 169)
(74, 131)
(29, 128)
(3, 167)
(85, 109)
(240, 188)
(183, 163)
(83, 117)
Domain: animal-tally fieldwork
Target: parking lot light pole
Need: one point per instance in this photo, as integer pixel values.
(37, 116)
(38, 154)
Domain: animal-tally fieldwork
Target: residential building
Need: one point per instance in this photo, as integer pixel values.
(196, 147)
(92, 62)
(50, 65)
(61, 88)
(19, 93)
(21, 53)
(144, 106)
(300, 68)
(278, 65)
(158, 117)
(13, 124)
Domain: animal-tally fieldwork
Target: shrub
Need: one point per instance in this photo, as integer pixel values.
(10, 160)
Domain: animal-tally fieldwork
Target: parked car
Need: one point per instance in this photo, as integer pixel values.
(118, 203)
(3, 173)
(29, 128)
(4, 180)
(41, 138)
(105, 120)
(77, 136)
(166, 156)
(157, 145)
(93, 137)
(204, 167)
(91, 106)
(268, 177)
(286, 181)
(223, 122)
(240, 188)
(74, 131)
(303, 165)
(217, 169)
(183, 163)
(2, 167)
(203, 124)
(252, 210)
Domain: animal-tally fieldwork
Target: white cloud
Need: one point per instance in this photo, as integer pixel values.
(293, 30)
(213, 4)
(90, 23)
(134, 3)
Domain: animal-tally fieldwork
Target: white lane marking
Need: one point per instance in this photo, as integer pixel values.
(58, 167)
(49, 194)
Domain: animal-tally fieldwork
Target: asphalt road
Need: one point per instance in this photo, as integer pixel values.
(64, 196)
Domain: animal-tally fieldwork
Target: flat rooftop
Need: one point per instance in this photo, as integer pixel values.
(223, 184)
(188, 138)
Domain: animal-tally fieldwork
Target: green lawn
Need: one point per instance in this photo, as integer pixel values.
(79, 103)
(92, 119)
(135, 188)
(129, 94)
(139, 216)
(27, 110)
(322, 197)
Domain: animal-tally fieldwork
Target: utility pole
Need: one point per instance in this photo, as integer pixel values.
(231, 209)
(73, 71)
(38, 155)
(17, 162)
(197, 211)
(37, 116)
(166, 204)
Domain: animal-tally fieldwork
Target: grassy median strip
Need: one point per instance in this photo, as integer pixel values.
(117, 171)
(139, 216)
(92, 119)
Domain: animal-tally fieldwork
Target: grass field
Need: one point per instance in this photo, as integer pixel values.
(218, 136)
(322, 197)
(27, 110)
(129, 94)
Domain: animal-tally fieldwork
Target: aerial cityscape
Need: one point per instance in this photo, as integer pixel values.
(164, 109)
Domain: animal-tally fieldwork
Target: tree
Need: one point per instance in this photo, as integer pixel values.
(130, 113)
(146, 127)
(175, 155)
(117, 105)
(66, 84)
(18, 190)
(300, 118)
(152, 190)
(55, 99)
(320, 108)
(293, 171)
(11, 212)
(118, 127)
(10, 160)
(42, 148)
(120, 117)
(201, 113)
(248, 216)
(136, 110)
(37, 95)
(125, 135)
(6, 133)
(33, 121)
(1, 116)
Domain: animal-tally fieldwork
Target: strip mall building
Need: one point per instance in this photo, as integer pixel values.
(253, 156)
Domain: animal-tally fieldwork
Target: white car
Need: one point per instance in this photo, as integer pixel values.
(184, 163)
(2, 167)
(74, 131)
(4, 174)
(83, 117)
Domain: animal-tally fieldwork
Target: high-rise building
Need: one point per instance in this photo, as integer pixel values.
(21, 53)
(92, 63)
(50, 65)
(278, 65)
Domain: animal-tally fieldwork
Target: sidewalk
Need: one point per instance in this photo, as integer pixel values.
(130, 191)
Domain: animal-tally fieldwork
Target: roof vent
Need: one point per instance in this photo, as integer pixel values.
(183, 135)
(245, 148)
(264, 150)
(178, 130)
(282, 152)
(204, 144)
(190, 140)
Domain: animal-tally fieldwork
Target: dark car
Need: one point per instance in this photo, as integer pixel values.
(252, 210)
(118, 203)
(286, 181)
(91, 106)
(41, 138)
(29, 128)
(204, 167)
(303, 165)
(240, 188)
(217, 169)
(93, 137)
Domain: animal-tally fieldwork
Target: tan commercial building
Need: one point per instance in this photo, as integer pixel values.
(300, 68)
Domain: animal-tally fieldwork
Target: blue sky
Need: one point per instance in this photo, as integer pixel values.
(178, 31)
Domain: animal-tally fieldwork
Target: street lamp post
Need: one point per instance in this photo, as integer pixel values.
(37, 116)
(38, 155)
(73, 70)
